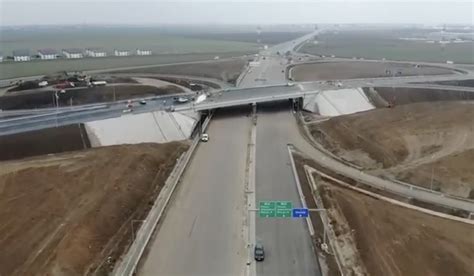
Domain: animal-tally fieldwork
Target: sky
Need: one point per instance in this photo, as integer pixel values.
(60, 12)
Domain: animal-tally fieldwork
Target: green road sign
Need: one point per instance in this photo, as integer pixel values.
(272, 209)
(267, 209)
(267, 205)
(267, 213)
(284, 205)
(283, 213)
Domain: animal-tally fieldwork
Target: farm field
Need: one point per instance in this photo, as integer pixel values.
(375, 45)
(23, 69)
(128, 38)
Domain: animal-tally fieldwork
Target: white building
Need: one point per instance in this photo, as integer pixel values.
(96, 52)
(21, 55)
(48, 54)
(73, 53)
(121, 53)
(142, 52)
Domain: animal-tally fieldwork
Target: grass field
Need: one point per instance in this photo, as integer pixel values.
(377, 45)
(33, 68)
(113, 38)
(166, 48)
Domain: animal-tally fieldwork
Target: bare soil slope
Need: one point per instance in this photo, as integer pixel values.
(226, 70)
(360, 69)
(398, 96)
(393, 240)
(44, 141)
(404, 139)
(70, 214)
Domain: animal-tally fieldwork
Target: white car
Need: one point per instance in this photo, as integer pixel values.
(290, 84)
(205, 137)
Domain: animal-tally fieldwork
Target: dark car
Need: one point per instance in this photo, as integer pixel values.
(259, 252)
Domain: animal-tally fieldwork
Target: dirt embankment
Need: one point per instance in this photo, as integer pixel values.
(393, 240)
(44, 99)
(227, 70)
(408, 142)
(399, 96)
(360, 69)
(72, 213)
(44, 141)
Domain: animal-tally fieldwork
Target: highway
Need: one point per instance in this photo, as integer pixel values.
(287, 241)
(202, 232)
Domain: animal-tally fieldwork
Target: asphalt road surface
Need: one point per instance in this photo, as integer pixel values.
(287, 241)
(288, 246)
(202, 232)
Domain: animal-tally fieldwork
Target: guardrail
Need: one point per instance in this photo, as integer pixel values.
(129, 262)
(300, 190)
(416, 187)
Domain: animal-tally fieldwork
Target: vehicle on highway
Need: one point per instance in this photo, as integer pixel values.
(181, 99)
(259, 252)
(143, 102)
(205, 137)
(290, 84)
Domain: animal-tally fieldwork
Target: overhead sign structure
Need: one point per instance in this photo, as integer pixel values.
(275, 209)
(300, 213)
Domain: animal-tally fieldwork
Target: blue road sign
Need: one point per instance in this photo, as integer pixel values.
(300, 213)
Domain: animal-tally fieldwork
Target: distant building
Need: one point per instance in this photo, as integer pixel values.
(96, 52)
(142, 52)
(73, 53)
(1, 57)
(121, 53)
(48, 54)
(21, 55)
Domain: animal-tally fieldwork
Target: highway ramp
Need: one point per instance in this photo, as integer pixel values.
(202, 232)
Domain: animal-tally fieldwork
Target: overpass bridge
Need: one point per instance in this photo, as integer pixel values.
(224, 98)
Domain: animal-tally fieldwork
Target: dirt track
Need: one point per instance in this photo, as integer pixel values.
(408, 142)
(393, 240)
(70, 214)
(44, 141)
(360, 69)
